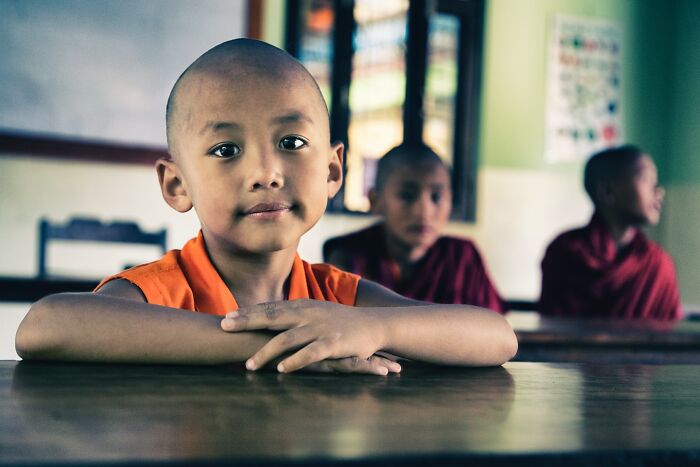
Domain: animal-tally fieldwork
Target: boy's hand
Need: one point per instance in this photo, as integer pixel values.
(329, 335)
(374, 365)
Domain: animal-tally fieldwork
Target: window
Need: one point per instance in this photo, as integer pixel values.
(395, 71)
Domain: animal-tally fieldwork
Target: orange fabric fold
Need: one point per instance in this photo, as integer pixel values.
(188, 280)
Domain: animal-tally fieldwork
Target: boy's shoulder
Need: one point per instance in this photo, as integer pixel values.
(374, 231)
(327, 282)
(456, 250)
(162, 282)
(457, 242)
(368, 238)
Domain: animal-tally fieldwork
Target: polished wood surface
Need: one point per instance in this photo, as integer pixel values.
(523, 413)
(546, 339)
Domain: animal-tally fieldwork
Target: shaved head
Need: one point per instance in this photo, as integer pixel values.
(238, 59)
(609, 166)
(406, 155)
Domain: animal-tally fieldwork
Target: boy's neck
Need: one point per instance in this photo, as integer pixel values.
(622, 232)
(402, 254)
(254, 279)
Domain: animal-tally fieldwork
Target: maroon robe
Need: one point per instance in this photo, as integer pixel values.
(451, 271)
(584, 276)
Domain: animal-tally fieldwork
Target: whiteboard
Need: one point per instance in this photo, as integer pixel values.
(102, 69)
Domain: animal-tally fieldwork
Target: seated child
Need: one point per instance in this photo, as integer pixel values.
(609, 268)
(250, 151)
(405, 251)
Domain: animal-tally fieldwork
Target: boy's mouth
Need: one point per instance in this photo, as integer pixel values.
(267, 210)
(419, 229)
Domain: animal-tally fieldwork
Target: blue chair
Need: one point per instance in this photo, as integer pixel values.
(93, 230)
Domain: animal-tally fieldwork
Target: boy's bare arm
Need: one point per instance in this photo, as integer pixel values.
(381, 321)
(440, 333)
(117, 325)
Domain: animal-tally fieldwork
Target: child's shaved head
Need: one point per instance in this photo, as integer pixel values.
(250, 143)
(235, 59)
(623, 185)
(418, 154)
(609, 165)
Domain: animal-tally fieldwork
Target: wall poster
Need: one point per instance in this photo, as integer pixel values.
(583, 111)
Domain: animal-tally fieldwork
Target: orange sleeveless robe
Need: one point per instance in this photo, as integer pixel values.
(187, 279)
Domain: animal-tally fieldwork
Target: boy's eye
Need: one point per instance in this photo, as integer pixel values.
(436, 197)
(292, 143)
(225, 150)
(407, 196)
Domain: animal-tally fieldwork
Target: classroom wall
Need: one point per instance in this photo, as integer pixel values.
(526, 201)
(681, 231)
(95, 69)
(523, 201)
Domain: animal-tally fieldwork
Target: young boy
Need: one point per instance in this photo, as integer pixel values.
(609, 268)
(405, 251)
(249, 138)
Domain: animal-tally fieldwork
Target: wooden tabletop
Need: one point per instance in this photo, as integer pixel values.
(547, 339)
(523, 413)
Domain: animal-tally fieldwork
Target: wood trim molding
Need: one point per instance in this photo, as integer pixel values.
(63, 147)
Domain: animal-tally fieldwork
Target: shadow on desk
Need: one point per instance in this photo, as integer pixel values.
(523, 414)
(195, 412)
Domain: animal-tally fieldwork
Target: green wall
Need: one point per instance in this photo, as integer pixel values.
(516, 45)
(684, 131)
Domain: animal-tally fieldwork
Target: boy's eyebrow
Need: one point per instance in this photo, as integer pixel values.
(292, 117)
(417, 185)
(218, 126)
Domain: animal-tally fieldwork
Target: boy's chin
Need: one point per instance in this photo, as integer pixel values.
(264, 246)
(653, 221)
(419, 241)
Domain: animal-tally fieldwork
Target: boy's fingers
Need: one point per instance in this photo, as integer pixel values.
(373, 365)
(278, 345)
(271, 315)
(314, 352)
(390, 365)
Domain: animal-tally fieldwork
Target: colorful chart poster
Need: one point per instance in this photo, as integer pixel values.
(583, 112)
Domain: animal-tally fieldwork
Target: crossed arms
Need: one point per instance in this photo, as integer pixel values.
(116, 325)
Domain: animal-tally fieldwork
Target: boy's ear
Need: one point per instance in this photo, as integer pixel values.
(335, 168)
(172, 185)
(605, 194)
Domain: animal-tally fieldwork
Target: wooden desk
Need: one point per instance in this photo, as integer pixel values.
(578, 340)
(524, 413)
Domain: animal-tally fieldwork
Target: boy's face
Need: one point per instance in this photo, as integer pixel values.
(637, 196)
(416, 202)
(255, 159)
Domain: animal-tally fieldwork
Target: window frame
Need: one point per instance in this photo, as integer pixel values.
(470, 14)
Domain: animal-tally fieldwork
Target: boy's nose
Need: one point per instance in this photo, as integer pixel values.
(423, 205)
(269, 180)
(660, 192)
(273, 181)
(266, 174)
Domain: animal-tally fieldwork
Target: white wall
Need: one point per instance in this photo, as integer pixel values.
(680, 232)
(31, 188)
